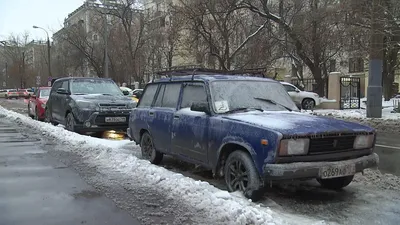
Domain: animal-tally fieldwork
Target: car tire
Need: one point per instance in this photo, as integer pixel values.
(6, 96)
(37, 115)
(47, 117)
(335, 183)
(240, 167)
(148, 150)
(70, 122)
(308, 103)
(29, 112)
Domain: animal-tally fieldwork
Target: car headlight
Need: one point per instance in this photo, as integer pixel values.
(364, 141)
(316, 95)
(294, 146)
(86, 105)
(131, 105)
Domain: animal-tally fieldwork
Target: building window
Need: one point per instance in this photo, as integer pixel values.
(95, 37)
(356, 65)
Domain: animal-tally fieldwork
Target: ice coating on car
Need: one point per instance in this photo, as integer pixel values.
(271, 120)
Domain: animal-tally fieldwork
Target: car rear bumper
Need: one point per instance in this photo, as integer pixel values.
(308, 170)
(12, 96)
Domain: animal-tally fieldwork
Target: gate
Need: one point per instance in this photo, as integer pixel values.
(350, 93)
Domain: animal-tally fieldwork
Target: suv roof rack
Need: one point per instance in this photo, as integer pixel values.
(193, 70)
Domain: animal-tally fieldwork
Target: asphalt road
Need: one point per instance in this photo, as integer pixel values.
(388, 148)
(373, 200)
(387, 144)
(36, 188)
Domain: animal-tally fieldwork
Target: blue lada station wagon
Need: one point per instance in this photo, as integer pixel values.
(248, 131)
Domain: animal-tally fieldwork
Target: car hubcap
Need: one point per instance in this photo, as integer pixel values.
(308, 104)
(238, 177)
(147, 149)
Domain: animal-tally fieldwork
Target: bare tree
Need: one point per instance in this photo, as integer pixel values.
(360, 17)
(313, 31)
(87, 43)
(132, 22)
(14, 51)
(221, 28)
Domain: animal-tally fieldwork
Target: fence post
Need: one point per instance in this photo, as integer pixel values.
(334, 89)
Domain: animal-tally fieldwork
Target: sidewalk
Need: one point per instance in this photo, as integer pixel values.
(37, 189)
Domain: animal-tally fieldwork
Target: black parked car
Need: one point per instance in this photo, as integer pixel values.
(88, 105)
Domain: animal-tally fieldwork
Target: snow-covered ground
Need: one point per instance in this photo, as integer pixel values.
(387, 108)
(220, 206)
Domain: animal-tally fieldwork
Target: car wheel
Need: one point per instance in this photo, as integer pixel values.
(70, 122)
(335, 183)
(36, 114)
(148, 150)
(29, 111)
(48, 118)
(6, 96)
(308, 103)
(241, 175)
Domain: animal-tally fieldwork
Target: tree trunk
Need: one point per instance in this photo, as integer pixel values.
(390, 62)
(320, 88)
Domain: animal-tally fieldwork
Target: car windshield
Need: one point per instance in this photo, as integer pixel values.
(249, 94)
(44, 93)
(94, 86)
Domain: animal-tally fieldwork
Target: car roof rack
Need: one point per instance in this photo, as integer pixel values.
(193, 70)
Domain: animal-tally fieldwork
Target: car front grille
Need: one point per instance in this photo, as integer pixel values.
(112, 105)
(321, 145)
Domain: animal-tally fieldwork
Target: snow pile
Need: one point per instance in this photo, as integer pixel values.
(375, 177)
(106, 155)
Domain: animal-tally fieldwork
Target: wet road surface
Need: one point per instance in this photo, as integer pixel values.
(361, 203)
(36, 188)
(388, 149)
(387, 144)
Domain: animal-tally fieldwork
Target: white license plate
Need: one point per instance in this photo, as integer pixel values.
(115, 119)
(337, 171)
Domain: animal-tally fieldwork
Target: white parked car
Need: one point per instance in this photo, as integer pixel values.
(303, 99)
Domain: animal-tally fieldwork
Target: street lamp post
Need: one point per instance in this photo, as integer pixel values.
(48, 48)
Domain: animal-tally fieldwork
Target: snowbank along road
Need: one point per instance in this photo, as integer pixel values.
(179, 193)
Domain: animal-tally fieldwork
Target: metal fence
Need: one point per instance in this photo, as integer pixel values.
(311, 85)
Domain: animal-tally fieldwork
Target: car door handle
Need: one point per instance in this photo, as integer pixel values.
(176, 117)
(151, 113)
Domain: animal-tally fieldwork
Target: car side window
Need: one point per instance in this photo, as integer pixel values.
(148, 96)
(171, 95)
(289, 88)
(160, 96)
(56, 86)
(193, 92)
(168, 95)
(65, 85)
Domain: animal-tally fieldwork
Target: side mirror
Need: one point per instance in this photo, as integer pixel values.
(62, 91)
(200, 107)
(297, 90)
(125, 92)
